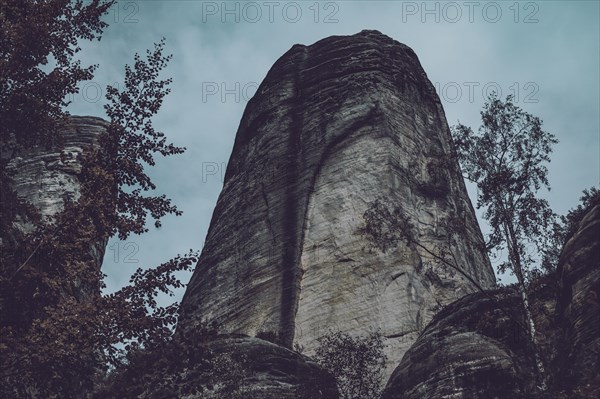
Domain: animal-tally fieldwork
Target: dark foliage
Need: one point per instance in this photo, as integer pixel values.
(39, 41)
(507, 160)
(357, 363)
(132, 141)
(59, 334)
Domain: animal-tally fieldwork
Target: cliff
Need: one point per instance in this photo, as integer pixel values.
(221, 367)
(578, 311)
(478, 347)
(44, 177)
(333, 127)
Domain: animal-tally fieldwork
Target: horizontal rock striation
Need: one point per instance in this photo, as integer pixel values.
(578, 310)
(476, 348)
(231, 367)
(270, 371)
(333, 127)
(46, 177)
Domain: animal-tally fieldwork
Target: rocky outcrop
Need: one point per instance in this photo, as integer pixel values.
(579, 310)
(474, 348)
(270, 371)
(224, 367)
(333, 127)
(45, 177)
(478, 347)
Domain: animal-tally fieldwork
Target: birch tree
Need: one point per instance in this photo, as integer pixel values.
(506, 158)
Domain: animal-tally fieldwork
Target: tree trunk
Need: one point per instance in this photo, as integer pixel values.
(515, 259)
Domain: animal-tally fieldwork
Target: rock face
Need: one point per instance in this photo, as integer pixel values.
(44, 177)
(333, 127)
(477, 347)
(237, 367)
(579, 310)
(271, 371)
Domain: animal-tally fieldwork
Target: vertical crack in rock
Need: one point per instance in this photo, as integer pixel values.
(294, 215)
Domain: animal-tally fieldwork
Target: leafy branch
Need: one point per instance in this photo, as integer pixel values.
(386, 226)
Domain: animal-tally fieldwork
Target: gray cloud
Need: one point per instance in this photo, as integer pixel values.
(546, 53)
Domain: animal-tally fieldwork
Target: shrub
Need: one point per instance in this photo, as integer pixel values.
(357, 363)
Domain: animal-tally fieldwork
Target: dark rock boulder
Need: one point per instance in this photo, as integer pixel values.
(222, 367)
(578, 310)
(478, 347)
(272, 371)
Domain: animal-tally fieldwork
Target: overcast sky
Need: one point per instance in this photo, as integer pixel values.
(546, 53)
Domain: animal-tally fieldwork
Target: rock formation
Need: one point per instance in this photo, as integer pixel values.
(271, 371)
(231, 367)
(578, 310)
(477, 347)
(474, 348)
(253, 367)
(45, 177)
(333, 127)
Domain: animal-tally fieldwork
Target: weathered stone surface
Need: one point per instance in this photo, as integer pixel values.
(224, 367)
(579, 310)
(334, 126)
(474, 348)
(471, 349)
(272, 371)
(45, 177)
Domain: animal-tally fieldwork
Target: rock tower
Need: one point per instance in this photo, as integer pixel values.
(333, 127)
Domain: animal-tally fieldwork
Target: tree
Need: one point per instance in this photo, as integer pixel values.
(357, 363)
(38, 69)
(507, 159)
(39, 42)
(59, 333)
(570, 222)
(386, 225)
(132, 141)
